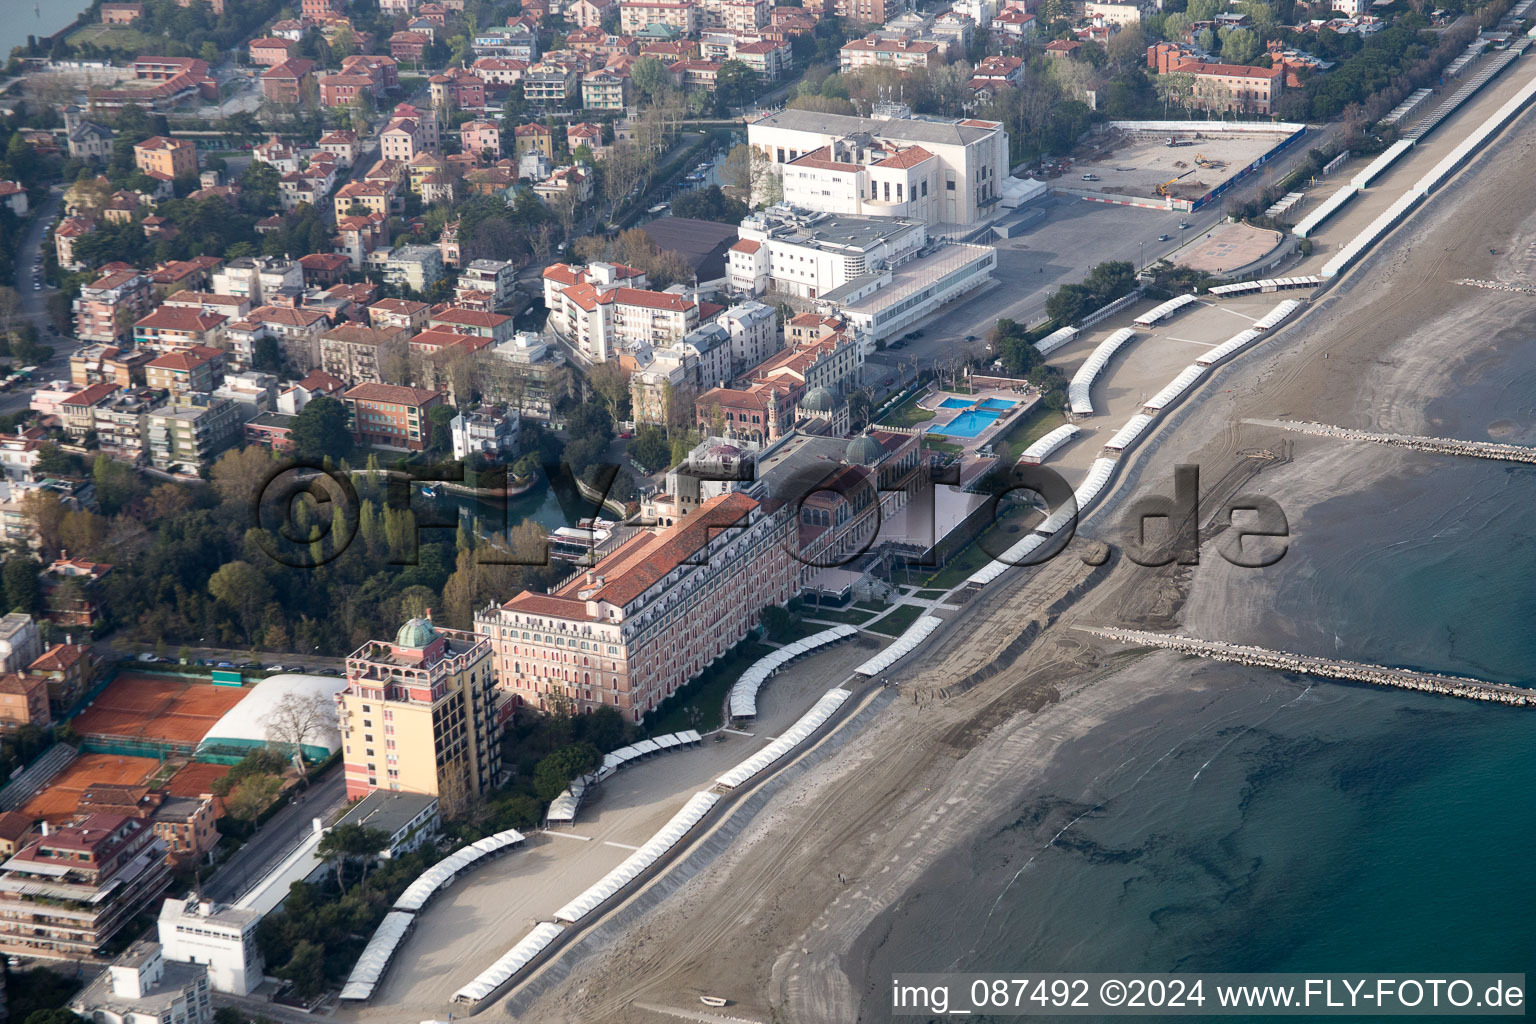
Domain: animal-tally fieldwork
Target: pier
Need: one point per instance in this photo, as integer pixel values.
(1436, 445)
(1331, 668)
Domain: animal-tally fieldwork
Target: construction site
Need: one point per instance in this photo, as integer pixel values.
(1183, 161)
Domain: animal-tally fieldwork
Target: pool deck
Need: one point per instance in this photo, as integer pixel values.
(946, 414)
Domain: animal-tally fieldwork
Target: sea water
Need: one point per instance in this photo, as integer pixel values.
(1261, 822)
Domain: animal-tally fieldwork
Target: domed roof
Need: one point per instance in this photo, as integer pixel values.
(724, 451)
(864, 451)
(416, 633)
(819, 399)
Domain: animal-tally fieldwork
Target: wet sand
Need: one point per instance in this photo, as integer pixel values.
(767, 923)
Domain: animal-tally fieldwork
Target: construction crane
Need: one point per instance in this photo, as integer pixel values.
(1164, 190)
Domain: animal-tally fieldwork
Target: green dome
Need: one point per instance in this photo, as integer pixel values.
(417, 633)
(864, 451)
(819, 400)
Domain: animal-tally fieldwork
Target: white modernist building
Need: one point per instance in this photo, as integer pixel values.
(220, 938)
(881, 275)
(934, 170)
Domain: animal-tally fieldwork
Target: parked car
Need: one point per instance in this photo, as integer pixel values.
(146, 657)
(1090, 177)
(225, 664)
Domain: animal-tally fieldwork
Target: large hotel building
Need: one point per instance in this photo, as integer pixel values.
(420, 715)
(651, 614)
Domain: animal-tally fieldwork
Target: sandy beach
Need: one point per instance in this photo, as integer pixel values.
(765, 921)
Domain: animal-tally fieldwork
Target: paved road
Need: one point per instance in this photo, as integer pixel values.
(274, 840)
(121, 647)
(35, 305)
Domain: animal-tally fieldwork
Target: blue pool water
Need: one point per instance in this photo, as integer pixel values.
(995, 404)
(967, 424)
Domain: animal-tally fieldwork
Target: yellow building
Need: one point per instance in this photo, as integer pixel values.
(419, 715)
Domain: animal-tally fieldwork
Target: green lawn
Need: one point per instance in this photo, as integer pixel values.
(707, 693)
(907, 414)
(897, 622)
(122, 38)
(941, 446)
(930, 595)
(798, 630)
(1031, 428)
(871, 606)
(851, 616)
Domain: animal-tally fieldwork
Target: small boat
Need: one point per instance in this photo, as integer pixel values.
(712, 1001)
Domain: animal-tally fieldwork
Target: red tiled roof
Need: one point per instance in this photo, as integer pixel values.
(648, 299)
(748, 245)
(91, 395)
(181, 318)
(398, 394)
(189, 359)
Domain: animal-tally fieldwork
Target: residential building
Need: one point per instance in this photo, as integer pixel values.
(198, 368)
(290, 83)
(604, 89)
(589, 13)
(391, 415)
(934, 170)
(234, 307)
(23, 701)
(177, 328)
(754, 331)
(652, 613)
(15, 827)
(20, 452)
(420, 715)
(482, 138)
(456, 89)
(487, 285)
(1231, 88)
(88, 140)
(192, 434)
(140, 987)
(69, 229)
(69, 670)
(70, 891)
(77, 413)
(417, 267)
(496, 326)
(533, 138)
(489, 432)
(13, 197)
(266, 53)
(119, 421)
(165, 159)
(637, 15)
(868, 12)
(220, 938)
(262, 279)
(109, 306)
(297, 332)
(186, 825)
(398, 314)
(341, 143)
(875, 51)
(356, 354)
(121, 13)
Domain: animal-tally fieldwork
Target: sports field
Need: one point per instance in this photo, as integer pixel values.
(196, 779)
(57, 803)
(155, 707)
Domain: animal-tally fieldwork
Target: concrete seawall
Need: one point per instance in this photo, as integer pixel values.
(1284, 661)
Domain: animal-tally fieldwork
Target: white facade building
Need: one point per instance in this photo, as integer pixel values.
(807, 254)
(492, 433)
(141, 988)
(754, 330)
(220, 938)
(936, 170)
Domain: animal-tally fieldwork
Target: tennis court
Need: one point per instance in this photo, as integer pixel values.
(57, 803)
(155, 708)
(196, 779)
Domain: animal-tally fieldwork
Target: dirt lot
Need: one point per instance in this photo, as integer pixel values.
(1138, 165)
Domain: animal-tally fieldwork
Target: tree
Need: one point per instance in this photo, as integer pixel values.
(305, 969)
(320, 430)
(650, 448)
(650, 77)
(610, 381)
(736, 84)
(1128, 47)
(254, 795)
(554, 773)
(352, 841)
(709, 204)
(1239, 46)
(295, 720)
(241, 473)
(23, 591)
(243, 589)
(45, 511)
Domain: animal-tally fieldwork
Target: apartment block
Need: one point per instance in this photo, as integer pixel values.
(419, 715)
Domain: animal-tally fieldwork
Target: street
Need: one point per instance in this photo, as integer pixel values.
(274, 840)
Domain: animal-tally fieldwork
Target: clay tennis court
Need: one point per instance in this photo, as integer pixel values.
(196, 779)
(57, 803)
(155, 707)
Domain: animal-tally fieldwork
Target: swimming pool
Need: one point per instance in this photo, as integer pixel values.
(994, 404)
(967, 424)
